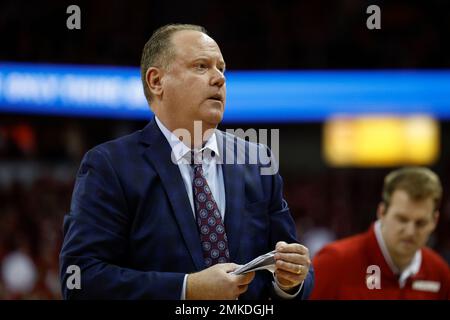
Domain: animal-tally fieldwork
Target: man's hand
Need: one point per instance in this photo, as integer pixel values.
(216, 283)
(291, 264)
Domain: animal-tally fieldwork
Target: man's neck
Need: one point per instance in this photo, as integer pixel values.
(193, 135)
(401, 262)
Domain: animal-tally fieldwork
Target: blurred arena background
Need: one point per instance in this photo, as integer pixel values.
(333, 161)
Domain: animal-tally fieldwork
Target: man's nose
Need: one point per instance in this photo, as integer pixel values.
(410, 228)
(218, 78)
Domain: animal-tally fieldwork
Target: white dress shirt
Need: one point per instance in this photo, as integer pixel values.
(212, 170)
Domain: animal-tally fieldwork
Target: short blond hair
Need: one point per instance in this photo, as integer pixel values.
(418, 182)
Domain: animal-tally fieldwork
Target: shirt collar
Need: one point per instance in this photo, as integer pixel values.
(181, 152)
(410, 270)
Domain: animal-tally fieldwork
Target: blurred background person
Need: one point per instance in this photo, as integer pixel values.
(390, 260)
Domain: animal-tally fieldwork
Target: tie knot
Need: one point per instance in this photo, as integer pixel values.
(204, 155)
(196, 158)
(196, 163)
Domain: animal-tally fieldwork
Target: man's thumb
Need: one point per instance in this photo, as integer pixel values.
(229, 267)
(280, 244)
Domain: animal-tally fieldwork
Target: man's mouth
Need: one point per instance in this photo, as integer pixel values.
(217, 97)
(408, 242)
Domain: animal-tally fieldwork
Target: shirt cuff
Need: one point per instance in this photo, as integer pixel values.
(283, 294)
(183, 290)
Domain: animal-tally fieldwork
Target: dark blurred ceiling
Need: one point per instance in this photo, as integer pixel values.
(260, 34)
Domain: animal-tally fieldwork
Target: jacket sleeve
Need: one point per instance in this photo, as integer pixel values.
(283, 229)
(95, 241)
(282, 225)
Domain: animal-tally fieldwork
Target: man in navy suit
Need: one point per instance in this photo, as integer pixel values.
(148, 222)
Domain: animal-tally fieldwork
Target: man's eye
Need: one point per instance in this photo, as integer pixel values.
(202, 66)
(421, 224)
(402, 220)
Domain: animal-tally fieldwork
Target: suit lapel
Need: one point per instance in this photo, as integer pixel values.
(159, 154)
(233, 176)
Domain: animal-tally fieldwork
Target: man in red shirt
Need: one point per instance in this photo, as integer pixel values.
(390, 260)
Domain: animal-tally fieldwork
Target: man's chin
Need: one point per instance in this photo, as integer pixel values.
(213, 118)
(407, 249)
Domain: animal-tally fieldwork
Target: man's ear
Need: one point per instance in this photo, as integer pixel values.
(381, 210)
(153, 78)
(435, 218)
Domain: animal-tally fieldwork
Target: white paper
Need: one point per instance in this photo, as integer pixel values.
(263, 262)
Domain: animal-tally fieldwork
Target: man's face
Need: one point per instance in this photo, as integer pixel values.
(407, 224)
(194, 83)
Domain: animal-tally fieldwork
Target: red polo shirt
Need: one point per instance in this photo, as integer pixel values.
(341, 269)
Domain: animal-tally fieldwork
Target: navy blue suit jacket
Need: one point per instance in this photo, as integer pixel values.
(131, 229)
